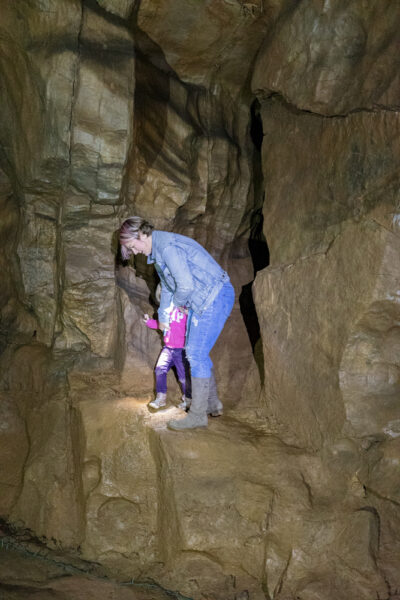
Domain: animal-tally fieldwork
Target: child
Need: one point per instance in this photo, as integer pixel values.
(173, 354)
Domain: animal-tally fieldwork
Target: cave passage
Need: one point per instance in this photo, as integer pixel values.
(257, 242)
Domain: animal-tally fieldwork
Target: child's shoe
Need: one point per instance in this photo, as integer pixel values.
(159, 401)
(185, 403)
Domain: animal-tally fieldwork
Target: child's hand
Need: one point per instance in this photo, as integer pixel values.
(183, 310)
(145, 318)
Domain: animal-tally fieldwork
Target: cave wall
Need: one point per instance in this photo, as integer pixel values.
(117, 107)
(64, 136)
(78, 158)
(330, 297)
(328, 303)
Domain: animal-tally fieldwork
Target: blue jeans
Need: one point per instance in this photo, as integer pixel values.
(202, 331)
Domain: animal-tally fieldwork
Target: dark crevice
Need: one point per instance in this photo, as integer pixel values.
(256, 128)
(257, 243)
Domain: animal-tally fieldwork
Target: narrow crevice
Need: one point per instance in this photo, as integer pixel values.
(257, 244)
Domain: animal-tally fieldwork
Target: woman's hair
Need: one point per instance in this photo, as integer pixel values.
(130, 229)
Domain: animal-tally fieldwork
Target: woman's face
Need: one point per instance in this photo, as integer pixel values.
(142, 245)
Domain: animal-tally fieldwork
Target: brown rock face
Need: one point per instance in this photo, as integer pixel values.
(268, 131)
(330, 297)
(331, 58)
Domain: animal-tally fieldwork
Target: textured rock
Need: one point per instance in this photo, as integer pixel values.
(323, 172)
(14, 450)
(328, 310)
(384, 463)
(302, 370)
(79, 119)
(28, 570)
(333, 263)
(102, 107)
(89, 294)
(183, 508)
(187, 168)
(331, 58)
(37, 252)
(36, 126)
(48, 501)
(122, 8)
(121, 498)
(15, 319)
(370, 369)
(206, 43)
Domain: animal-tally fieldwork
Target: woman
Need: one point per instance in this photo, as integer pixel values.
(193, 281)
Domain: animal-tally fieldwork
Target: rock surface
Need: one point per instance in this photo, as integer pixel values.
(330, 339)
(28, 570)
(332, 58)
(220, 512)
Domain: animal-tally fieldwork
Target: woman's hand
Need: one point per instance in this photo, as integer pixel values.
(183, 310)
(164, 326)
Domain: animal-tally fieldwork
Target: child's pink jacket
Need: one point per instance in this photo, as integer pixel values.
(175, 336)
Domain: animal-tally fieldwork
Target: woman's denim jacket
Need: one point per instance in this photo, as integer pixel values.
(189, 275)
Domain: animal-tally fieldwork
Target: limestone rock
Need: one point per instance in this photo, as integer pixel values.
(331, 58)
(139, 346)
(306, 401)
(323, 172)
(332, 262)
(15, 318)
(121, 499)
(194, 501)
(186, 168)
(89, 293)
(46, 76)
(102, 106)
(38, 260)
(27, 569)
(206, 43)
(122, 8)
(14, 450)
(48, 501)
(370, 371)
(381, 477)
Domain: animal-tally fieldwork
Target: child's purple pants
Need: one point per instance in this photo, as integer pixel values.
(173, 357)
